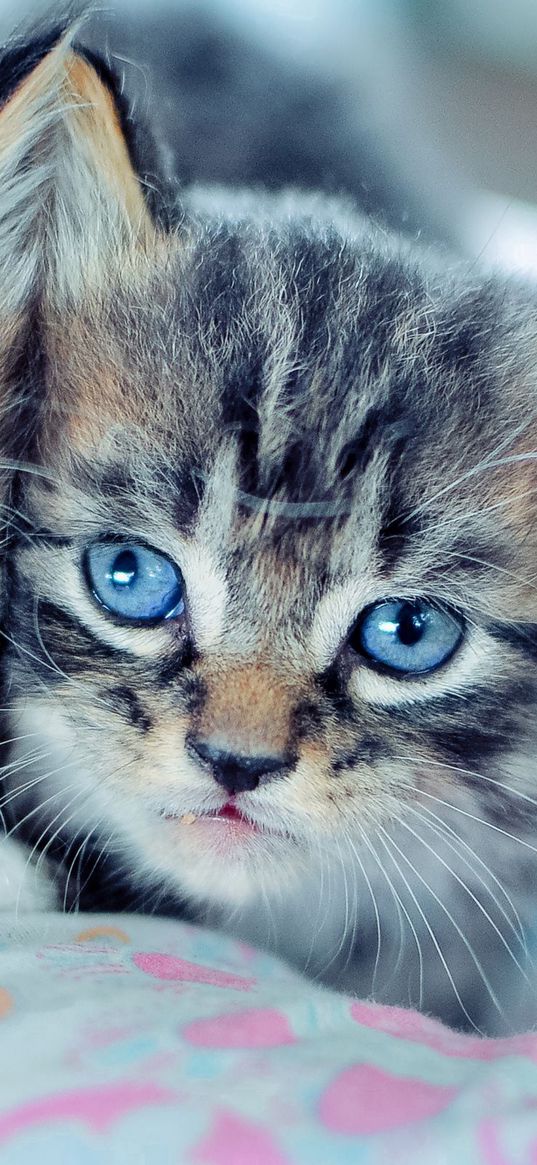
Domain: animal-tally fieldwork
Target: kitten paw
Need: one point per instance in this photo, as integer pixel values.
(22, 887)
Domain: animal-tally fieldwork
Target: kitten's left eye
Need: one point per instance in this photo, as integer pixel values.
(134, 582)
(408, 636)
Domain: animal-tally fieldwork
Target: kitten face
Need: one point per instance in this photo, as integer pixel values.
(293, 421)
(262, 661)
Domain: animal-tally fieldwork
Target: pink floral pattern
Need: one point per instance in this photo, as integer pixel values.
(153, 1040)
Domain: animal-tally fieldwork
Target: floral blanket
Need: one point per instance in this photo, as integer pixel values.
(138, 1040)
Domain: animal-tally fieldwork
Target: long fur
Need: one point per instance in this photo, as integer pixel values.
(306, 415)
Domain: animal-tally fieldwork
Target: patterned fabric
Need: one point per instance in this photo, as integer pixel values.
(140, 1040)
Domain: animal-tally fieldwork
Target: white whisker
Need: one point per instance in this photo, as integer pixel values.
(454, 923)
(401, 909)
(423, 760)
(466, 888)
(376, 911)
(457, 844)
(472, 817)
(387, 843)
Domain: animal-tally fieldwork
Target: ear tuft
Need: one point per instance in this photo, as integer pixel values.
(71, 203)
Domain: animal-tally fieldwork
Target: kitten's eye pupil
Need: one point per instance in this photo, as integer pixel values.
(134, 582)
(124, 569)
(407, 637)
(411, 625)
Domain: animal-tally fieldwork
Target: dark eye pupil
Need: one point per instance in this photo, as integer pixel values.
(124, 569)
(411, 625)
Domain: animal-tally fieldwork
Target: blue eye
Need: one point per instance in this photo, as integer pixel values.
(406, 636)
(134, 582)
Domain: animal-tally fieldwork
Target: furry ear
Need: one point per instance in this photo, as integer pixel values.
(71, 203)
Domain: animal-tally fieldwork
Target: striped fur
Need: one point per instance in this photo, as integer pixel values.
(307, 416)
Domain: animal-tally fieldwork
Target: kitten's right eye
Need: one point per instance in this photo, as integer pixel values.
(134, 582)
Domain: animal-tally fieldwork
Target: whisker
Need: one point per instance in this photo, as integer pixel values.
(345, 929)
(49, 663)
(15, 466)
(19, 789)
(466, 557)
(446, 832)
(454, 923)
(105, 850)
(464, 516)
(64, 821)
(78, 857)
(74, 682)
(16, 739)
(436, 944)
(37, 809)
(401, 909)
(422, 760)
(375, 910)
(35, 867)
(325, 886)
(471, 816)
(492, 461)
(356, 909)
(474, 898)
(22, 762)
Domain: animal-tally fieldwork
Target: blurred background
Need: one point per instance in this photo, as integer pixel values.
(424, 111)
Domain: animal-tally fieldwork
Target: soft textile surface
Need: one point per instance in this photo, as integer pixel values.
(138, 1040)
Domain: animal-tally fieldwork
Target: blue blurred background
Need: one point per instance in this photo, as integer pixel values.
(447, 93)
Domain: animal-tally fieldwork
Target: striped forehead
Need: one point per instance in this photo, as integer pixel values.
(287, 399)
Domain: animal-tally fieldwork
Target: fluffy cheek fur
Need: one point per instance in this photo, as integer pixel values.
(140, 791)
(137, 792)
(138, 798)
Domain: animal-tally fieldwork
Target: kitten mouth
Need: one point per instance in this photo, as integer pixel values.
(230, 812)
(228, 819)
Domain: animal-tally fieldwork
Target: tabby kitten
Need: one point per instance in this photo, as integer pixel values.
(270, 604)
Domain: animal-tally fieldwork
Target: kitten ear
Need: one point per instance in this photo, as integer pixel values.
(71, 203)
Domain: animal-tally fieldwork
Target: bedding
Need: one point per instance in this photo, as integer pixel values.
(130, 1039)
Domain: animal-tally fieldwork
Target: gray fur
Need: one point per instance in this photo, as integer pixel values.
(307, 416)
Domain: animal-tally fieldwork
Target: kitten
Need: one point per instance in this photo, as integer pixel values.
(270, 617)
